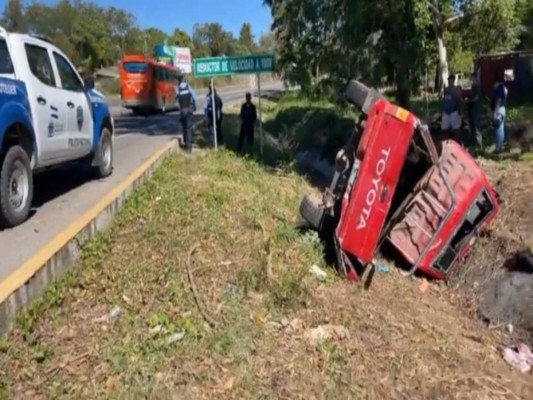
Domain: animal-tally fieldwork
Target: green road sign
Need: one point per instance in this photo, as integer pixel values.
(223, 66)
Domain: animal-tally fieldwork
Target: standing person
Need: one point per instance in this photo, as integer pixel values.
(497, 108)
(187, 102)
(473, 106)
(248, 120)
(208, 110)
(451, 120)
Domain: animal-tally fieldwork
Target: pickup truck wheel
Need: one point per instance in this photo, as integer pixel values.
(16, 187)
(312, 211)
(103, 159)
(357, 93)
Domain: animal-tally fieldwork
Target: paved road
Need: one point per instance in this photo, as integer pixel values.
(62, 196)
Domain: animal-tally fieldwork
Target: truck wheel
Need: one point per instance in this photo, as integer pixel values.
(103, 159)
(16, 187)
(312, 211)
(357, 93)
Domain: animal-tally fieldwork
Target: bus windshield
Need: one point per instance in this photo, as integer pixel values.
(135, 67)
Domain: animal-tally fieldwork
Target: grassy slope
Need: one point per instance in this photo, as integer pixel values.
(249, 266)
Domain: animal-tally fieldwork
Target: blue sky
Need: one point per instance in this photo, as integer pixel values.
(169, 14)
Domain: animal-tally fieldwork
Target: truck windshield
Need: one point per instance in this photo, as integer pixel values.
(475, 216)
(6, 66)
(134, 67)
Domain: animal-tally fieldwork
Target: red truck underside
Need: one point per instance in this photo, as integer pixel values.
(430, 217)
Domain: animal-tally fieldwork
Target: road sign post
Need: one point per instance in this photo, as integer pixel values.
(260, 114)
(213, 107)
(226, 66)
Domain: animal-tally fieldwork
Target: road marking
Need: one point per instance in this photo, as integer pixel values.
(31, 266)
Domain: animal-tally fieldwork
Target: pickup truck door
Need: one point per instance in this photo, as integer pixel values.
(79, 112)
(47, 108)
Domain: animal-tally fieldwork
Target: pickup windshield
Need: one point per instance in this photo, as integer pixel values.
(6, 66)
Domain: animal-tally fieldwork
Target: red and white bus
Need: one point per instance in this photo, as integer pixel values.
(147, 85)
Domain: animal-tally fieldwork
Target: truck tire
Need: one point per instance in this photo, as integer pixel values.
(312, 211)
(16, 187)
(103, 158)
(357, 93)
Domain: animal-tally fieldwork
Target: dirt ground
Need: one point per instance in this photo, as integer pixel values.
(202, 290)
(490, 282)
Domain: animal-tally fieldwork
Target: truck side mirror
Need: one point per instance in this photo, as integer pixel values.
(89, 83)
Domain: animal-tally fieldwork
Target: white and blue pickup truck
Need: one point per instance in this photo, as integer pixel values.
(48, 117)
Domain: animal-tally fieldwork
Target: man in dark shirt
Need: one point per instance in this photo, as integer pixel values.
(208, 111)
(473, 106)
(248, 120)
(451, 119)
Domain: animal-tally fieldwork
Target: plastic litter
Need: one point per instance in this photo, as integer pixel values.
(519, 357)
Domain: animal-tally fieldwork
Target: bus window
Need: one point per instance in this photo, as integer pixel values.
(134, 67)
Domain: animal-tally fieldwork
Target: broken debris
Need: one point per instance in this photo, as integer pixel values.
(321, 333)
(519, 357)
(317, 272)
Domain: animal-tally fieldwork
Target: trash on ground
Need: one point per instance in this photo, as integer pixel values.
(112, 316)
(295, 325)
(318, 272)
(157, 329)
(321, 333)
(176, 337)
(423, 286)
(232, 288)
(519, 357)
(275, 325)
(382, 268)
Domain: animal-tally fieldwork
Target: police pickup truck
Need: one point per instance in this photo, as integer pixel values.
(48, 117)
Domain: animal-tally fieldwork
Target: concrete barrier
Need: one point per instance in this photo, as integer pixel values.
(32, 278)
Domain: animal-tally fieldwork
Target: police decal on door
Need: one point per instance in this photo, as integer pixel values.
(79, 117)
(51, 129)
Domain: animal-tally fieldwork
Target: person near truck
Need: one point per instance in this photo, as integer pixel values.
(473, 107)
(208, 110)
(497, 108)
(187, 102)
(451, 119)
(248, 119)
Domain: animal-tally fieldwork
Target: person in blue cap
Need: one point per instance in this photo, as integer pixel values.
(186, 98)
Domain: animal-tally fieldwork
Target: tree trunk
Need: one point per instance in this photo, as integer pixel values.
(443, 59)
(403, 88)
(438, 28)
(437, 80)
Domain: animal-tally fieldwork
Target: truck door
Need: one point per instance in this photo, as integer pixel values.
(79, 111)
(47, 108)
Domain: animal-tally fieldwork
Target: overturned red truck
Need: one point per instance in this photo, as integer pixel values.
(395, 187)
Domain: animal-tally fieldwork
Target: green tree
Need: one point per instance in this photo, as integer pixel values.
(211, 40)
(120, 25)
(180, 38)
(267, 43)
(13, 18)
(246, 39)
(151, 38)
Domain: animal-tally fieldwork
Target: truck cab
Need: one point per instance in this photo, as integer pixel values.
(48, 117)
(395, 188)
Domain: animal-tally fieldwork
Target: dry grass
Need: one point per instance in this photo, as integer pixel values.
(250, 272)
